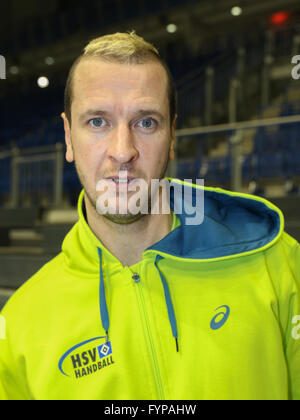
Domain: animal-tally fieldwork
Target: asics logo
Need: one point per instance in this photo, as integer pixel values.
(219, 320)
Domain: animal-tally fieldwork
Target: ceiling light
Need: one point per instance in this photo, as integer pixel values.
(49, 61)
(171, 28)
(236, 11)
(43, 82)
(14, 70)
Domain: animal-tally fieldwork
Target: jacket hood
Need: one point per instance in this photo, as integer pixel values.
(231, 224)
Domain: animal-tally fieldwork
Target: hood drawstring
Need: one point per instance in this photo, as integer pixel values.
(103, 305)
(170, 308)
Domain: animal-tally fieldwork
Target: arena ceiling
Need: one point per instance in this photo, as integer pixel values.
(196, 21)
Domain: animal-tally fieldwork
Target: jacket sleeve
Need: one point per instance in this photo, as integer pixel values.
(12, 386)
(287, 271)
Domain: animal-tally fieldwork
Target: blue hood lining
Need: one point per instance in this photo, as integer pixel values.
(231, 225)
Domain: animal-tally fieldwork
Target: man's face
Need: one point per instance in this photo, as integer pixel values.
(120, 122)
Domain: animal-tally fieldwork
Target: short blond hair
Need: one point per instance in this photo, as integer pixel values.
(124, 48)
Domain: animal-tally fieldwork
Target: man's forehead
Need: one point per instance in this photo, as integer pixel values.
(96, 73)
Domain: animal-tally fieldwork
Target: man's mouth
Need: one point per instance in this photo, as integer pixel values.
(122, 180)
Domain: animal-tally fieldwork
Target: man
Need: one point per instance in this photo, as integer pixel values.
(147, 306)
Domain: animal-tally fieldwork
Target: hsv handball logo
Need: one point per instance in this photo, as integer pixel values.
(86, 358)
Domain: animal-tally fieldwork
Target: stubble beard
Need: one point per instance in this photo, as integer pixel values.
(126, 218)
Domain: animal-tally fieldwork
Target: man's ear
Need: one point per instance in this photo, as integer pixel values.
(173, 138)
(67, 128)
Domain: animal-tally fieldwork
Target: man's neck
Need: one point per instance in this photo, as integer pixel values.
(127, 242)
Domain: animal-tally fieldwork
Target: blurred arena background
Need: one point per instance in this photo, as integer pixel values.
(238, 106)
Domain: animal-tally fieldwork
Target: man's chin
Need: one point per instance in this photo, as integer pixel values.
(123, 219)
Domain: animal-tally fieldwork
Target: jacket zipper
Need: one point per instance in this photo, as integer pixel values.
(149, 339)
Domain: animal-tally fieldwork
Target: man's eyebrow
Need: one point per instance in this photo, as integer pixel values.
(89, 112)
(139, 113)
(145, 112)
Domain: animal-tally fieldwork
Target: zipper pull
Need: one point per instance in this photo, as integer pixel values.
(136, 278)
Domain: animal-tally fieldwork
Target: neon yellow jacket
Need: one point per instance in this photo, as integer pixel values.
(211, 312)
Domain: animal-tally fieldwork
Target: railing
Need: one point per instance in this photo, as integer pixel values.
(35, 175)
(234, 160)
(230, 86)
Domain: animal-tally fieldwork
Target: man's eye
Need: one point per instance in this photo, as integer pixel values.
(147, 123)
(97, 122)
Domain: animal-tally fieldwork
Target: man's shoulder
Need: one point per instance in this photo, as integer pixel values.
(291, 249)
(284, 247)
(288, 244)
(283, 260)
(40, 283)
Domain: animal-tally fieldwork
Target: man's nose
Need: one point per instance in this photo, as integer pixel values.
(122, 148)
